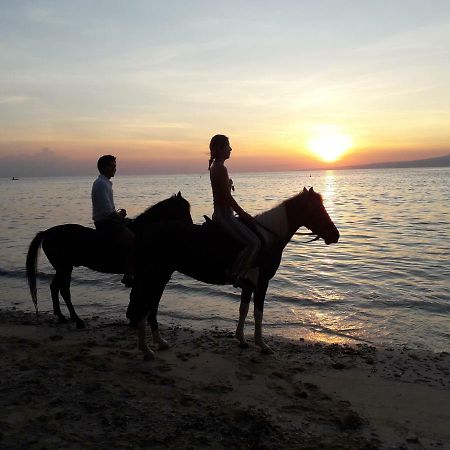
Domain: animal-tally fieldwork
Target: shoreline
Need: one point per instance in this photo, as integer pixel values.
(87, 308)
(68, 388)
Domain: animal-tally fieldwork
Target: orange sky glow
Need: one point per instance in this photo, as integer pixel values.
(294, 87)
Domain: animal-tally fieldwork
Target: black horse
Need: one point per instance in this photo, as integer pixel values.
(204, 253)
(72, 245)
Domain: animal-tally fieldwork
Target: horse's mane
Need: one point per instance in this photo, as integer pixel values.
(294, 199)
(159, 210)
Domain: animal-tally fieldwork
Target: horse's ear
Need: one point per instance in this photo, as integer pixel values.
(305, 190)
(312, 189)
(179, 194)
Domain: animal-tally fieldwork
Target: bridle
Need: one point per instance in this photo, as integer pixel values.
(316, 238)
(297, 233)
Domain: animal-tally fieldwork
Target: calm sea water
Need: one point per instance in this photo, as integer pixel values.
(387, 281)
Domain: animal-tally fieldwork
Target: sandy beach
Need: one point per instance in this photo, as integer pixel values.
(67, 388)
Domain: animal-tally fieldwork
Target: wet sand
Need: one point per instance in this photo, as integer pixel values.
(67, 388)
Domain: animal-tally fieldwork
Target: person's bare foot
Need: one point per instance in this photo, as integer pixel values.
(128, 280)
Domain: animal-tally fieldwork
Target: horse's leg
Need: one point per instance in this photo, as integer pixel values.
(246, 296)
(137, 312)
(142, 341)
(258, 298)
(144, 300)
(157, 293)
(159, 341)
(65, 293)
(54, 289)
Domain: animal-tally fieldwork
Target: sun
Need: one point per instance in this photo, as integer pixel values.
(329, 145)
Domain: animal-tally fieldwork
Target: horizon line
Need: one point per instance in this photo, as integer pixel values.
(316, 169)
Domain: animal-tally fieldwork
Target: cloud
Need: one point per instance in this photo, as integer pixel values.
(14, 99)
(45, 162)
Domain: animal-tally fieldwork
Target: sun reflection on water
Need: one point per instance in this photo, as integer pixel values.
(385, 281)
(330, 188)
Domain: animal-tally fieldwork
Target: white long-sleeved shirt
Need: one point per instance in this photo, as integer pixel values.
(102, 198)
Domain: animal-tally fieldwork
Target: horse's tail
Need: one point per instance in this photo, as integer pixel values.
(31, 265)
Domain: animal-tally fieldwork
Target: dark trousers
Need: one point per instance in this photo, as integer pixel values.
(116, 231)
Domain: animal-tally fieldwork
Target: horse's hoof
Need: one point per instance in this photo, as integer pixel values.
(266, 350)
(163, 345)
(80, 324)
(149, 356)
(243, 344)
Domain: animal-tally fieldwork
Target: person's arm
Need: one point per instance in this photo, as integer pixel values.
(239, 211)
(102, 202)
(223, 186)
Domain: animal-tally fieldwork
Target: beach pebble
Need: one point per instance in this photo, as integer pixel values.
(56, 337)
(301, 394)
(350, 421)
(338, 366)
(91, 388)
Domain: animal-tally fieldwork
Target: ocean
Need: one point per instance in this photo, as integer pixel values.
(385, 283)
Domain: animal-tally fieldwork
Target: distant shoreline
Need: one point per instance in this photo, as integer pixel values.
(419, 164)
(441, 161)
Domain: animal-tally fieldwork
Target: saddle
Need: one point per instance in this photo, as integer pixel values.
(209, 223)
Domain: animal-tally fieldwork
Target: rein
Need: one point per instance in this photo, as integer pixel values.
(298, 233)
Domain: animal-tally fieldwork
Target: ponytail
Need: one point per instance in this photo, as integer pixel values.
(215, 147)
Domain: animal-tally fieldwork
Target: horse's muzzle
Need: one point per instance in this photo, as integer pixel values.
(331, 237)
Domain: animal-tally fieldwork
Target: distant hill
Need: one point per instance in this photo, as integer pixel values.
(441, 161)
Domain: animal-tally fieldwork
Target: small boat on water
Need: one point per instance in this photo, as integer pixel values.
(14, 179)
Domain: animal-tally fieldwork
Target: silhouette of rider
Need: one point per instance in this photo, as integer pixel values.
(243, 271)
(109, 221)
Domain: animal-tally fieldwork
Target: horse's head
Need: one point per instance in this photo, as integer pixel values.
(173, 208)
(179, 209)
(315, 217)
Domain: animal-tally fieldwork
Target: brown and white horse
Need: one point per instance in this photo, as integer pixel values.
(204, 253)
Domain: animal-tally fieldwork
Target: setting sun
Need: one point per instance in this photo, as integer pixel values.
(329, 146)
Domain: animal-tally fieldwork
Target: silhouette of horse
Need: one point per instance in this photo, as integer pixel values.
(203, 252)
(72, 245)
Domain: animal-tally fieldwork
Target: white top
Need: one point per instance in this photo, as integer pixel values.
(102, 198)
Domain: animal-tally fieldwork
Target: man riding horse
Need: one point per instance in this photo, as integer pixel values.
(109, 222)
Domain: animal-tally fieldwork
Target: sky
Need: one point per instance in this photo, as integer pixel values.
(151, 82)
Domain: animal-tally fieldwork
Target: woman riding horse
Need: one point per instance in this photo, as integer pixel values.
(205, 253)
(244, 270)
